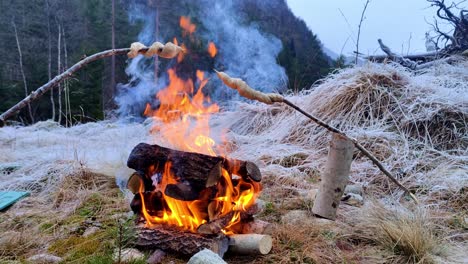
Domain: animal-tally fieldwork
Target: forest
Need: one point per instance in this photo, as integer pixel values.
(53, 35)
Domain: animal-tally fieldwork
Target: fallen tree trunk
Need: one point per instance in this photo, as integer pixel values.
(55, 81)
(335, 177)
(413, 65)
(59, 78)
(416, 57)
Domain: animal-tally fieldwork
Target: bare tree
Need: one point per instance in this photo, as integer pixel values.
(112, 83)
(49, 58)
(20, 58)
(456, 40)
(66, 83)
(359, 29)
(59, 70)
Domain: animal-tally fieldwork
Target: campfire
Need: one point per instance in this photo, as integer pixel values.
(187, 188)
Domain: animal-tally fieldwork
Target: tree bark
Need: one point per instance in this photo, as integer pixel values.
(176, 241)
(25, 84)
(335, 177)
(250, 244)
(200, 170)
(257, 227)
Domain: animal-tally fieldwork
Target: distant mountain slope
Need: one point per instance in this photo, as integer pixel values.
(302, 54)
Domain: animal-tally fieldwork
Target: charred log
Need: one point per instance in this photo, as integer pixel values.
(193, 171)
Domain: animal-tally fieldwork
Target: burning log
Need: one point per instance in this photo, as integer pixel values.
(185, 243)
(216, 224)
(199, 170)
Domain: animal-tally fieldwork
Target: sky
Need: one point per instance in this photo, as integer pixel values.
(401, 24)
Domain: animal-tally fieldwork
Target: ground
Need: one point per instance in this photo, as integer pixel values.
(415, 123)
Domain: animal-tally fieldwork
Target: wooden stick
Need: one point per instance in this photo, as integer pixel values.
(59, 78)
(272, 98)
(335, 177)
(364, 151)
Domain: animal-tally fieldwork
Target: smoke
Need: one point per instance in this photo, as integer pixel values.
(244, 51)
(132, 97)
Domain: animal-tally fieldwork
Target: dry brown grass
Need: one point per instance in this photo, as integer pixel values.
(410, 236)
(60, 215)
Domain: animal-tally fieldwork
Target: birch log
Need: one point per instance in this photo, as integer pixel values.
(250, 244)
(335, 177)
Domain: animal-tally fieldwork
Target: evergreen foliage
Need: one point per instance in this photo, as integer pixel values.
(87, 29)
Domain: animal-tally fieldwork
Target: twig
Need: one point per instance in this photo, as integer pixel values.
(59, 78)
(359, 29)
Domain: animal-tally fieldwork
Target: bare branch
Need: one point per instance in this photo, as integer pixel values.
(359, 29)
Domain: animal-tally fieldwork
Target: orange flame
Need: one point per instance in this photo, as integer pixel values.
(212, 50)
(182, 123)
(187, 26)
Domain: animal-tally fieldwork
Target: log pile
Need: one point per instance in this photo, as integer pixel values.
(197, 178)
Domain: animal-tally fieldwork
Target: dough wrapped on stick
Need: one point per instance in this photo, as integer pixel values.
(168, 50)
(248, 92)
(269, 98)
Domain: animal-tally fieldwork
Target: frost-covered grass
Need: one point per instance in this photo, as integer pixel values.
(415, 123)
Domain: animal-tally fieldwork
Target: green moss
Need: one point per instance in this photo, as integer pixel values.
(78, 247)
(328, 234)
(46, 227)
(269, 208)
(91, 206)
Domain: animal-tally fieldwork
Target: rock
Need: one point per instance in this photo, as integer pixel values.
(157, 257)
(354, 188)
(44, 259)
(353, 199)
(128, 255)
(206, 256)
(90, 231)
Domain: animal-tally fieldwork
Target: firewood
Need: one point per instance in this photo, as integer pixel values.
(247, 244)
(334, 178)
(217, 223)
(215, 226)
(199, 170)
(257, 227)
(177, 241)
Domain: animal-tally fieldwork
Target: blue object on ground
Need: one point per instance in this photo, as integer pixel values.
(8, 198)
